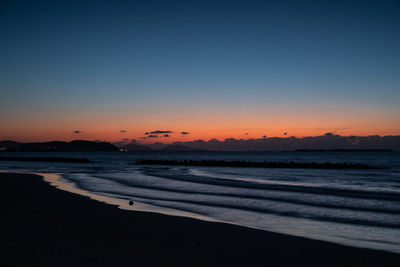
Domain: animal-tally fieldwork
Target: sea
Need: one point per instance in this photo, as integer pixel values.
(358, 208)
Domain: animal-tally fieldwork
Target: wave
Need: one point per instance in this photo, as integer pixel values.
(288, 207)
(177, 175)
(373, 207)
(292, 213)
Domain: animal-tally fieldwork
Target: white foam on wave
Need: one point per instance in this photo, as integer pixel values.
(57, 181)
(353, 235)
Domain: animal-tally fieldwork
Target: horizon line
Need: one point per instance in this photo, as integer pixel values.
(211, 139)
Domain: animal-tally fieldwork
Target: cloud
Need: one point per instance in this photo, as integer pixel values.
(152, 136)
(285, 133)
(166, 135)
(161, 132)
(77, 132)
(292, 143)
(246, 133)
(184, 133)
(123, 131)
(146, 133)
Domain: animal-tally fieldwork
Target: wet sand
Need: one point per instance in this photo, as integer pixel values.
(43, 226)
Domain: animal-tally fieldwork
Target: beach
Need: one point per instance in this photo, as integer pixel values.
(43, 226)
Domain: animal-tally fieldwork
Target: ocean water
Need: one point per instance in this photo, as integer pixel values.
(352, 207)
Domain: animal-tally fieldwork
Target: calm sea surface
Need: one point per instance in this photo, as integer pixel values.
(352, 207)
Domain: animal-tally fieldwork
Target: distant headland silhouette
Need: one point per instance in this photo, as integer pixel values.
(326, 142)
(57, 146)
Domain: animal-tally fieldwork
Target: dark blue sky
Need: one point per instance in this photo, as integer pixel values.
(73, 62)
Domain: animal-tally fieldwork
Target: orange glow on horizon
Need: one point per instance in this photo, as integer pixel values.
(204, 124)
(203, 134)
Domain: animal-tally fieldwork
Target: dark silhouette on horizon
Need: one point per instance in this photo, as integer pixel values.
(327, 142)
(178, 148)
(57, 146)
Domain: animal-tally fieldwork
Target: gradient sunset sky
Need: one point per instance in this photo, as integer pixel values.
(211, 68)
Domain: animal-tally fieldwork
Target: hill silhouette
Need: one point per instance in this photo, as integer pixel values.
(179, 148)
(9, 144)
(326, 142)
(61, 146)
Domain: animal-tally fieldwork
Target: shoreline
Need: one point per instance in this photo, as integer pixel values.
(54, 180)
(46, 226)
(57, 180)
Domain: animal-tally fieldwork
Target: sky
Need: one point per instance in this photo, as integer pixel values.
(112, 70)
